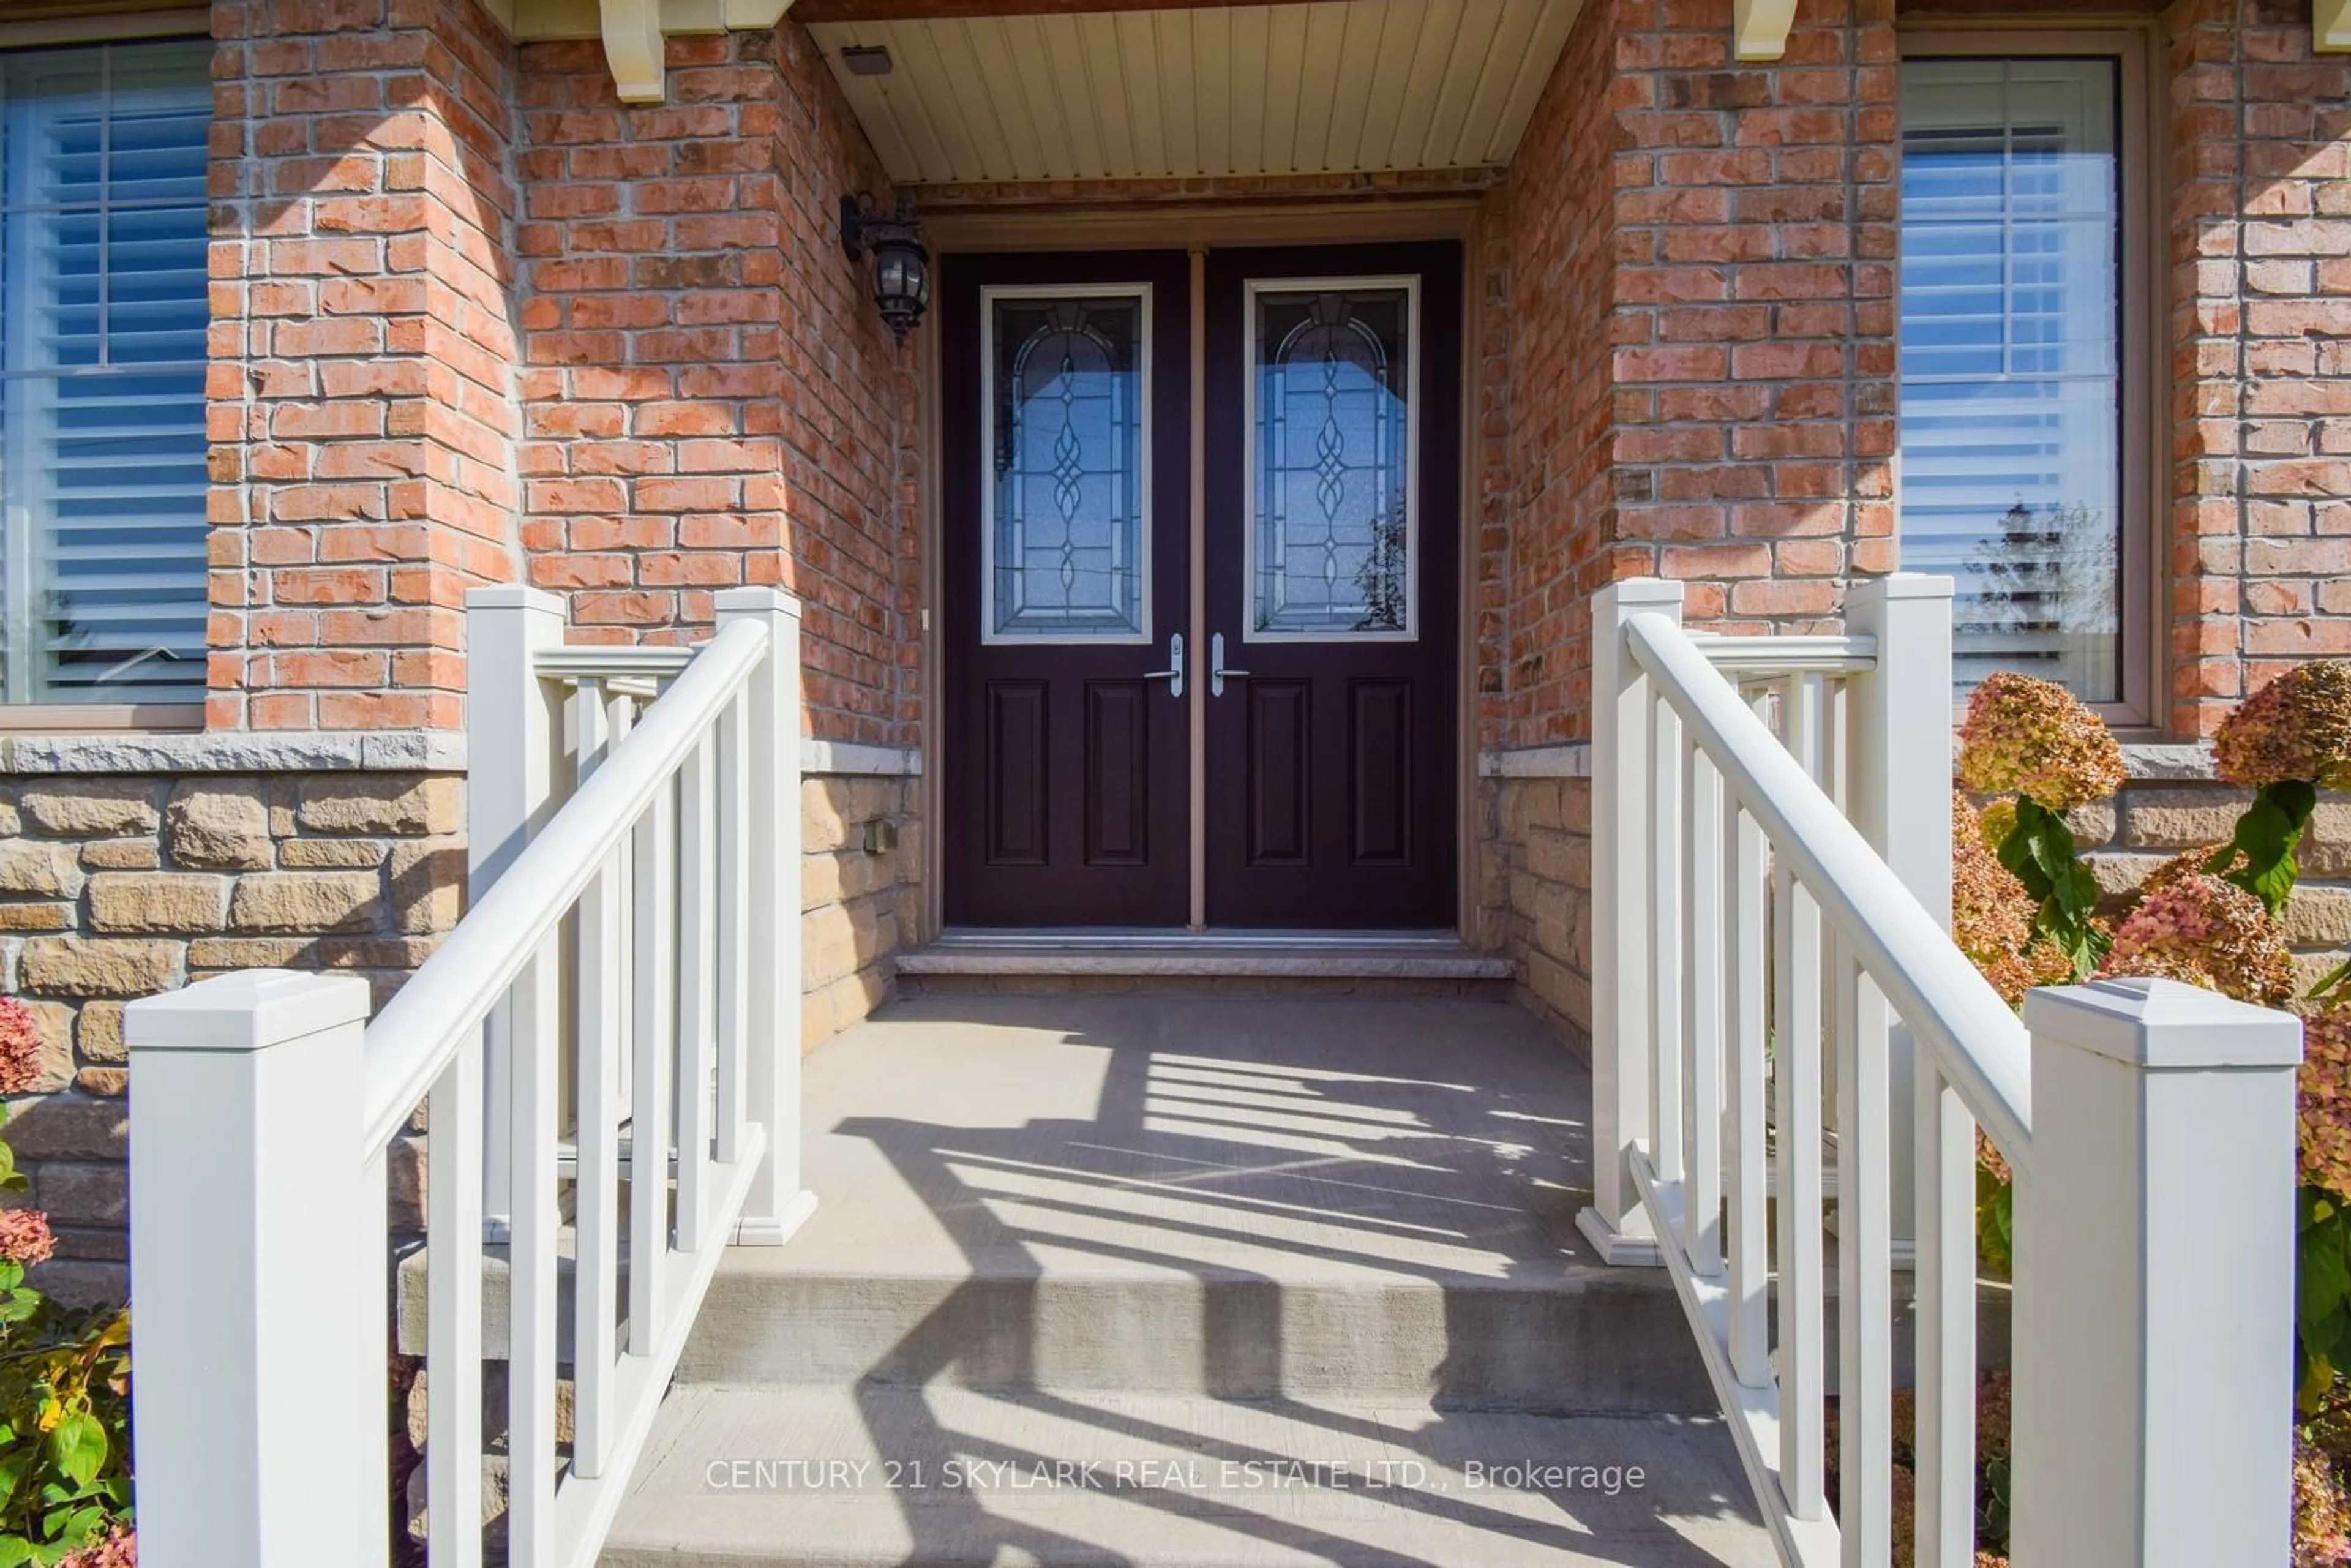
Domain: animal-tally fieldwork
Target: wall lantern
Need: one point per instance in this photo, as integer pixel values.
(902, 268)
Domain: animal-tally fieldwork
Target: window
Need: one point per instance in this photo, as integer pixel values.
(1066, 526)
(2023, 457)
(102, 319)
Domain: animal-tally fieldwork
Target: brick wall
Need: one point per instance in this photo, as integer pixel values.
(362, 395)
(2261, 287)
(709, 396)
(1701, 341)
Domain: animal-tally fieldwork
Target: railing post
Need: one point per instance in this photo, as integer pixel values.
(1898, 763)
(778, 1203)
(512, 727)
(258, 1276)
(2155, 1280)
(1622, 846)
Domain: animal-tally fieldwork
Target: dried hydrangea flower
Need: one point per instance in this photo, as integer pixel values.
(2035, 737)
(2321, 1513)
(2298, 727)
(20, 1047)
(2323, 1102)
(118, 1548)
(1992, 915)
(25, 1236)
(2206, 931)
(1995, 822)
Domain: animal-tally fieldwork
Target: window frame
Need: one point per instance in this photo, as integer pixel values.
(2145, 369)
(92, 31)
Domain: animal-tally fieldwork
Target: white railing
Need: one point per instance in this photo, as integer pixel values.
(1767, 905)
(618, 1010)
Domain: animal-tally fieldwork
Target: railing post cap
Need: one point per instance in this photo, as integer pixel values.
(1642, 592)
(247, 1011)
(755, 602)
(2162, 1025)
(513, 596)
(1906, 585)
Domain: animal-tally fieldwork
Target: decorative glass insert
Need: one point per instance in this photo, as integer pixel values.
(1067, 524)
(102, 324)
(2011, 365)
(1331, 534)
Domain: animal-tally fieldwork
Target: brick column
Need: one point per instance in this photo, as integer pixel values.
(362, 406)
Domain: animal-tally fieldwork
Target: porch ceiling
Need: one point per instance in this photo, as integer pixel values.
(1161, 91)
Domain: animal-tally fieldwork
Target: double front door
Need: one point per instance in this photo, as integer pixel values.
(1199, 597)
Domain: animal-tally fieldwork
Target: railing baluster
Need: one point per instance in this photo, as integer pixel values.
(1864, 1268)
(654, 1010)
(697, 996)
(1797, 1077)
(453, 1448)
(1702, 834)
(1749, 1269)
(1945, 1446)
(1665, 948)
(598, 1020)
(733, 928)
(531, 1386)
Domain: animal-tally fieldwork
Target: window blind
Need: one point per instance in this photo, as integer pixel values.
(2011, 354)
(102, 325)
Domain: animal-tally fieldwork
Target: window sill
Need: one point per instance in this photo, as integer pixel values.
(80, 718)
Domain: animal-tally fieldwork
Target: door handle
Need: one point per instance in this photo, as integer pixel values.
(1217, 671)
(1173, 673)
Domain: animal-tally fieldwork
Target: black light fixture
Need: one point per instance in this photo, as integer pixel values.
(902, 268)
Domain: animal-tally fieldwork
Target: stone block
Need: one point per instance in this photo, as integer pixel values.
(39, 869)
(2180, 816)
(2318, 916)
(121, 854)
(110, 1083)
(307, 901)
(2325, 848)
(2092, 825)
(249, 952)
(36, 916)
(99, 967)
(70, 1127)
(218, 824)
(145, 902)
(825, 820)
(428, 886)
(98, 1032)
(332, 854)
(53, 1062)
(11, 821)
(77, 1194)
(369, 803)
(91, 807)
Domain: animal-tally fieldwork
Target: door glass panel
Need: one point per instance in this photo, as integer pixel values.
(1067, 522)
(1331, 537)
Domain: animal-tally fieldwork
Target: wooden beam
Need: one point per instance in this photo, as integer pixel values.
(1759, 28)
(815, 11)
(2330, 26)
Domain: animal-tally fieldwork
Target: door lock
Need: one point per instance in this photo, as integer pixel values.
(1173, 673)
(1217, 671)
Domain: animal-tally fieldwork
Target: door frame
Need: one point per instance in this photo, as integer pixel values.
(1198, 228)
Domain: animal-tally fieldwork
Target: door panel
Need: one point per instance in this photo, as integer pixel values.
(1064, 551)
(1333, 527)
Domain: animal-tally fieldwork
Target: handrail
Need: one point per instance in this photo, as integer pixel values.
(421, 1028)
(1979, 1044)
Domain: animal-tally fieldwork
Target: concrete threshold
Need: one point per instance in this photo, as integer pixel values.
(1181, 955)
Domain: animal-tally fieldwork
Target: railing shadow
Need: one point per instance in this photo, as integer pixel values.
(1231, 1158)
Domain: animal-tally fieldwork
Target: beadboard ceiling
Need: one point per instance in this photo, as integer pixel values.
(1328, 87)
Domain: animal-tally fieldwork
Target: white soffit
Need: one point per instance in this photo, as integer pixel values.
(1329, 87)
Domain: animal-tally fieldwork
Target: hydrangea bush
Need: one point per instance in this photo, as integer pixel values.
(2289, 740)
(65, 1382)
(2034, 741)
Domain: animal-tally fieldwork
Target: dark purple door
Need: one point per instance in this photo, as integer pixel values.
(1334, 520)
(1065, 508)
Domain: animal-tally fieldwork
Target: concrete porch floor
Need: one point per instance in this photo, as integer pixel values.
(1251, 1280)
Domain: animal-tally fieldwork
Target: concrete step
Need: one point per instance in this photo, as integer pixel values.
(1280, 1197)
(1205, 964)
(947, 1478)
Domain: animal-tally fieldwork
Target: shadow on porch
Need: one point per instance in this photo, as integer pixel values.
(1121, 1278)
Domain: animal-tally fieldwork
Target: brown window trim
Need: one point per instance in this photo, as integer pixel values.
(2145, 381)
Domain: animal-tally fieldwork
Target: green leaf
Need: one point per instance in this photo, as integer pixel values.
(78, 1445)
(2267, 835)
